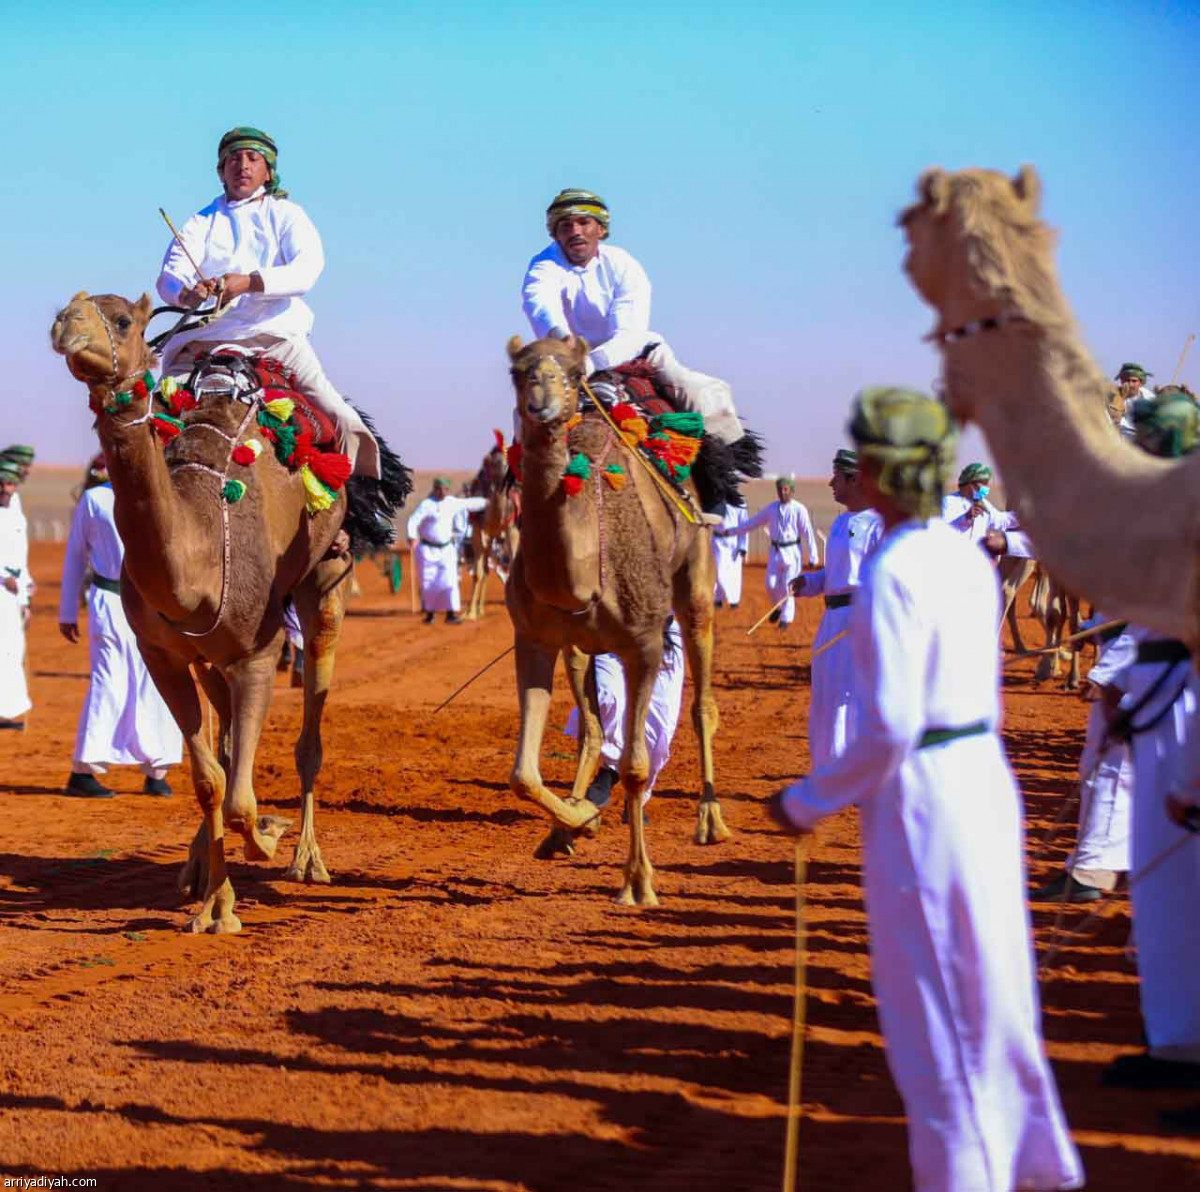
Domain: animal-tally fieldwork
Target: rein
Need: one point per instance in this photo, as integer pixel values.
(967, 330)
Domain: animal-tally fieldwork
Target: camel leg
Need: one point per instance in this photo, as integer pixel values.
(478, 578)
(582, 677)
(178, 689)
(321, 620)
(193, 878)
(535, 678)
(250, 682)
(640, 671)
(695, 610)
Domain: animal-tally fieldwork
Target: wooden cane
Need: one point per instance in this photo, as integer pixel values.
(1187, 343)
(791, 1150)
(833, 641)
(412, 579)
(1066, 641)
(767, 615)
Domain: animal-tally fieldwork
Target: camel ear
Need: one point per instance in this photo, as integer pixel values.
(514, 346)
(143, 308)
(934, 189)
(1028, 187)
(578, 347)
(81, 296)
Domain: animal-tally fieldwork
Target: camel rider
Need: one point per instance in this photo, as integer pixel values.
(260, 253)
(1131, 382)
(579, 285)
(970, 512)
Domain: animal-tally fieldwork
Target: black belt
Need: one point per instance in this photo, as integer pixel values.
(840, 601)
(1111, 635)
(105, 584)
(780, 545)
(435, 545)
(939, 736)
(1166, 650)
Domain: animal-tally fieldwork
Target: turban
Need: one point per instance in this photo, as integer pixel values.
(245, 137)
(846, 461)
(576, 202)
(789, 480)
(10, 470)
(975, 474)
(911, 438)
(1167, 424)
(442, 480)
(1132, 371)
(19, 452)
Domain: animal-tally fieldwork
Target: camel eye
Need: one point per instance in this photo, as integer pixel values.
(124, 322)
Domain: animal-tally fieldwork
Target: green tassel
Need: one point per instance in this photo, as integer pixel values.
(161, 417)
(683, 422)
(615, 470)
(123, 399)
(579, 466)
(233, 491)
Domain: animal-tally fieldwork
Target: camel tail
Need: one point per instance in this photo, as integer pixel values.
(722, 468)
(372, 505)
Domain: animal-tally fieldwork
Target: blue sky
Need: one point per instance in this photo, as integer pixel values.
(753, 159)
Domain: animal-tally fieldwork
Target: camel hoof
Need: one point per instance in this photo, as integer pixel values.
(558, 843)
(264, 838)
(308, 867)
(639, 894)
(206, 925)
(710, 827)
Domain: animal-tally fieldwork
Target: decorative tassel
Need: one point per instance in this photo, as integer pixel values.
(573, 422)
(244, 456)
(282, 408)
(499, 439)
(515, 454)
(331, 468)
(572, 485)
(639, 428)
(682, 422)
(316, 495)
(622, 411)
(615, 475)
(167, 427)
(576, 472)
(233, 491)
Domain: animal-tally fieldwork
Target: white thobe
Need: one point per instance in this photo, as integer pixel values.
(274, 238)
(792, 540)
(852, 537)
(1106, 774)
(662, 716)
(1166, 900)
(944, 873)
(1125, 426)
(14, 564)
(956, 511)
(124, 720)
(728, 554)
(432, 525)
(607, 302)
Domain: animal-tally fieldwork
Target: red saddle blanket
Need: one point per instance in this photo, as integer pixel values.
(277, 383)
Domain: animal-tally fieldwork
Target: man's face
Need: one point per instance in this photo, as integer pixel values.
(439, 492)
(786, 492)
(1130, 386)
(840, 485)
(970, 491)
(243, 172)
(7, 488)
(579, 237)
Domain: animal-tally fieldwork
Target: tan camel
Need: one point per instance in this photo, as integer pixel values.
(1014, 363)
(1014, 573)
(1058, 611)
(599, 573)
(203, 585)
(496, 524)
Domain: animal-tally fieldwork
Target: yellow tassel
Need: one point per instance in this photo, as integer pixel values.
(282, 408)
(254, 446)
(616, 480)
(316, 495)
(638, 427)
(168, 387)
(630, 438)
(573, 422)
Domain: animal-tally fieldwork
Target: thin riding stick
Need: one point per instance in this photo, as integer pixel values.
(833, 641)
(179, 241)
(1066, 641)
(792, 1143)
(767, 615)
(412, 579)
(1187, 343)
(472, 679)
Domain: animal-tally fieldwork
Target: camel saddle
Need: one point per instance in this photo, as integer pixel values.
(633, 382)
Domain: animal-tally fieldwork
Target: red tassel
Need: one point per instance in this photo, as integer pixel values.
(499, 439)
(243, 455)
(331, 468)
(166, 431)
(515, 454)
(139, 389)
(572, 485)
(623, 410)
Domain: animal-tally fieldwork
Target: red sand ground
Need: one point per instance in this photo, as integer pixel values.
(451, 1013)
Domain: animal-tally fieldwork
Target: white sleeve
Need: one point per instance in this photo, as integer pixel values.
(415, 520)
(74, 565)
(743, 538)
(177, 272)
(752, 523)
(469, 504)
(303, 255)
(630, 317)
(890, 642)
(1018, 544)
(1117, 657)
(814, 583)
(808, 536)
(1002, 519)
(542, 299)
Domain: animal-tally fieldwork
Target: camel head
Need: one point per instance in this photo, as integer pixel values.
(547, 374)
(976, 246)
(102, 338)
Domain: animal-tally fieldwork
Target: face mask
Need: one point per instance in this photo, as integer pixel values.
(981, 491)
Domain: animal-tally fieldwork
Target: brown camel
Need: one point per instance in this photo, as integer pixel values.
(1015, 364)
(203, 585)
(496, 524)
(1014, 573)
(598, 573)
(1058, 611)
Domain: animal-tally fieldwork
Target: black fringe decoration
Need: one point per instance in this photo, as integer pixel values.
(722, 468)
(371, 505)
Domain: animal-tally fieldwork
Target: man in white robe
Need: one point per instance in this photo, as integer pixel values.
(579, 285)
(852, 537)
(970, 512)
(793, 540)
(729, 554)
(1131, 388)
(15, 588)
(23, 456)
(261, 254)
(431, 546)
(1101, 853)
(951, 945)
(124, 721)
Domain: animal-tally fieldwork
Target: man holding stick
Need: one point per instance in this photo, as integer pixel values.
(941, 821)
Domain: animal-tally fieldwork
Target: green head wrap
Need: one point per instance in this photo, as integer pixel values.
(10, 470)
(789, 480)
(975, 474)
(1167, 424)
(19, 451)
(245, 137)
(576, 202)
(442, 480)
(1132, 371)
(846, 461)
(911, 438)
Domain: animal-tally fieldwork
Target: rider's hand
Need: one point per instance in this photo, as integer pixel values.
(10, 582)
(237, 284)
(977, 510)
(995, 542)
(797, 586)
(193, 296)
(69, 630)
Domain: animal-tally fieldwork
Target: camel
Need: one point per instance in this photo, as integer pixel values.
(1014, 364)
(1014, 573)
(203, 586)
(497, 524)
(1058, 611)
(597, 573)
